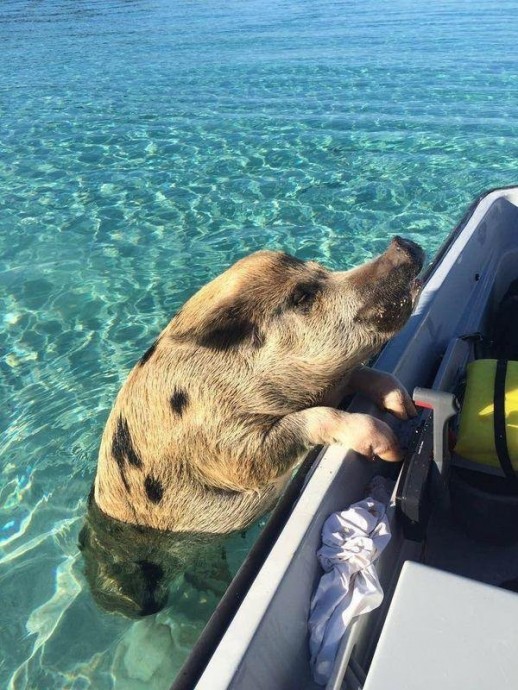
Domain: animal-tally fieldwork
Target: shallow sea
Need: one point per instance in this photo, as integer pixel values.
(144, 146)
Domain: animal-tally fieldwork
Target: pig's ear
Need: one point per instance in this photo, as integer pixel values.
(226, 326)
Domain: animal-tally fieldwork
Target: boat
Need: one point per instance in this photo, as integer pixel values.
(449, 617)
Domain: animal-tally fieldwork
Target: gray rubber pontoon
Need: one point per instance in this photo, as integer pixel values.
(448, 624)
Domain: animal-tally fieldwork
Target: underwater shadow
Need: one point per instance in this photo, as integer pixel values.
(130, 568)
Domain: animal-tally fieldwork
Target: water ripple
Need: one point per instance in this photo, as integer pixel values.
(145, 146)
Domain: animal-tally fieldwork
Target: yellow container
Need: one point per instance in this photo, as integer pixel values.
(476, 439)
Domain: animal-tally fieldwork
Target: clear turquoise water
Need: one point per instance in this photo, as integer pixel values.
(144, 146)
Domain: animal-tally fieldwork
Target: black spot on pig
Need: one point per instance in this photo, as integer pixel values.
(154, 489)
(123, 450)
(179, 401)
(122, 446)
(228, 334)
(148, 354)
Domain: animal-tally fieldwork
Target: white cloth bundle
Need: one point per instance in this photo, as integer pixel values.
(352, 540)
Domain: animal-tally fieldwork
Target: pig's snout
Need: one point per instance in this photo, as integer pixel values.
(402, 251)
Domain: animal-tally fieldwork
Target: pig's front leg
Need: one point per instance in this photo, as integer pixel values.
(384, 390)
(316, 426)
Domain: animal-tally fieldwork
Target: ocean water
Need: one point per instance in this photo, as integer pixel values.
(144, 146)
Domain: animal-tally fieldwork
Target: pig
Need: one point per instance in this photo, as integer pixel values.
(243, 381)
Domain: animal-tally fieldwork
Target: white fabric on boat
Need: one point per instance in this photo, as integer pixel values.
(352, 540)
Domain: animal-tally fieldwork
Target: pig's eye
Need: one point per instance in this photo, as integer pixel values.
(302, 297)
